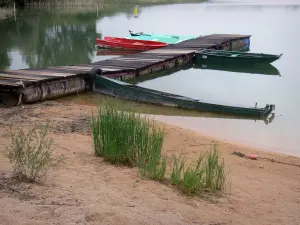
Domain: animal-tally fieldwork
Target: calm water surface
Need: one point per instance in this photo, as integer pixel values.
(52, 37)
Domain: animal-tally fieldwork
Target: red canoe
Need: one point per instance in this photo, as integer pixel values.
(124, 43)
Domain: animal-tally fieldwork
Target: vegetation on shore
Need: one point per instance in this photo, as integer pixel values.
(5, 12)
(22, 3)
(127, 138)
(30, 152)
(120, 138)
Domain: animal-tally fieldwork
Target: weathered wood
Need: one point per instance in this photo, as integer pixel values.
(22, 77)
(171, 51)
(52, 90)
(42, 72)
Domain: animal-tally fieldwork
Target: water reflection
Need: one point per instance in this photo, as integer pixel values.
(94, 99)
(52, 37)
(264, 69)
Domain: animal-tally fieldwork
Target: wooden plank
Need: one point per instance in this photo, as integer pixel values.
(15, 72)
(83, 68)
(228, 35)
(134, 65)
(22, 77)
(41, 72)
(173, 51)
(112, 68)
(139, 60)
(14, 80)
(7, 83)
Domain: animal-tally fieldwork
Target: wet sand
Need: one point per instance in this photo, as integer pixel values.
(87, 190)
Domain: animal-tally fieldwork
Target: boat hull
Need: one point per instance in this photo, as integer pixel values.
(116, 43)
(230, 57)
(166, 38)
(123, 90)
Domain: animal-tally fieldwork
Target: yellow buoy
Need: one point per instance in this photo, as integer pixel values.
(136, 11)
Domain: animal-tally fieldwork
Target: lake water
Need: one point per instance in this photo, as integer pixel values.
(59, 37)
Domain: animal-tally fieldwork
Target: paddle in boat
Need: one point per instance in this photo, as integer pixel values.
(166, 38)
(116, 88)
(234, 57)
(124, 43)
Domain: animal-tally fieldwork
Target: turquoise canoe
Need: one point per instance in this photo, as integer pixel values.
(166, 38)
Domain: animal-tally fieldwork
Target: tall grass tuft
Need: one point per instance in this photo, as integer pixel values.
(177, 170)
(206, 176)
(125, 138)
(30, 152)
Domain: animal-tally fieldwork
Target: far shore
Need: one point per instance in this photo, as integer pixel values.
(87, 190)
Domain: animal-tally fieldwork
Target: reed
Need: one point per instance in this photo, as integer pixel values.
(125, 138)
(206, 176)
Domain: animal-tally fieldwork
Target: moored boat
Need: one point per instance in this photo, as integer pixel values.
(123, 43)
(166, 38)
(234, 57)
(116, 88)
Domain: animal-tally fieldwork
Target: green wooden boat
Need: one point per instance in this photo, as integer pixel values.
(166, 38)
(234, 57)
(116, 88)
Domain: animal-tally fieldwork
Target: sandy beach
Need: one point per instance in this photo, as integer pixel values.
(87, 190)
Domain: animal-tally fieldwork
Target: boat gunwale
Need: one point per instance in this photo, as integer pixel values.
(242, 54)
(262, 111)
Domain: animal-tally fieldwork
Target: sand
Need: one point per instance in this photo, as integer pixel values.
(86, 190)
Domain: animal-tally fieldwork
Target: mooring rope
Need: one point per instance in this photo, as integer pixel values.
(254, 157)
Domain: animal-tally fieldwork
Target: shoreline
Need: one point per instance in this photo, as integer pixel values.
(87, 190)
(235, 141)
(221, 136)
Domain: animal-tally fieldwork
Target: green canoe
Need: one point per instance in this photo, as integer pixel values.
(116, 88)
(219, 56)
(166, 38)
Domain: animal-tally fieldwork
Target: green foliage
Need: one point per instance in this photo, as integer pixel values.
(206, 176)
(125, 138)
(128, 139)
(30, 152)
(177, 170)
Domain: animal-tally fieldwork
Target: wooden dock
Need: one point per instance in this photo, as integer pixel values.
(33, 85)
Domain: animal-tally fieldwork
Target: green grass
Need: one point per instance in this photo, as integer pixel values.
(127, 138)
(206, 176)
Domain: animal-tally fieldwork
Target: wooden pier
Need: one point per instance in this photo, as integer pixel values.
(33, 85)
